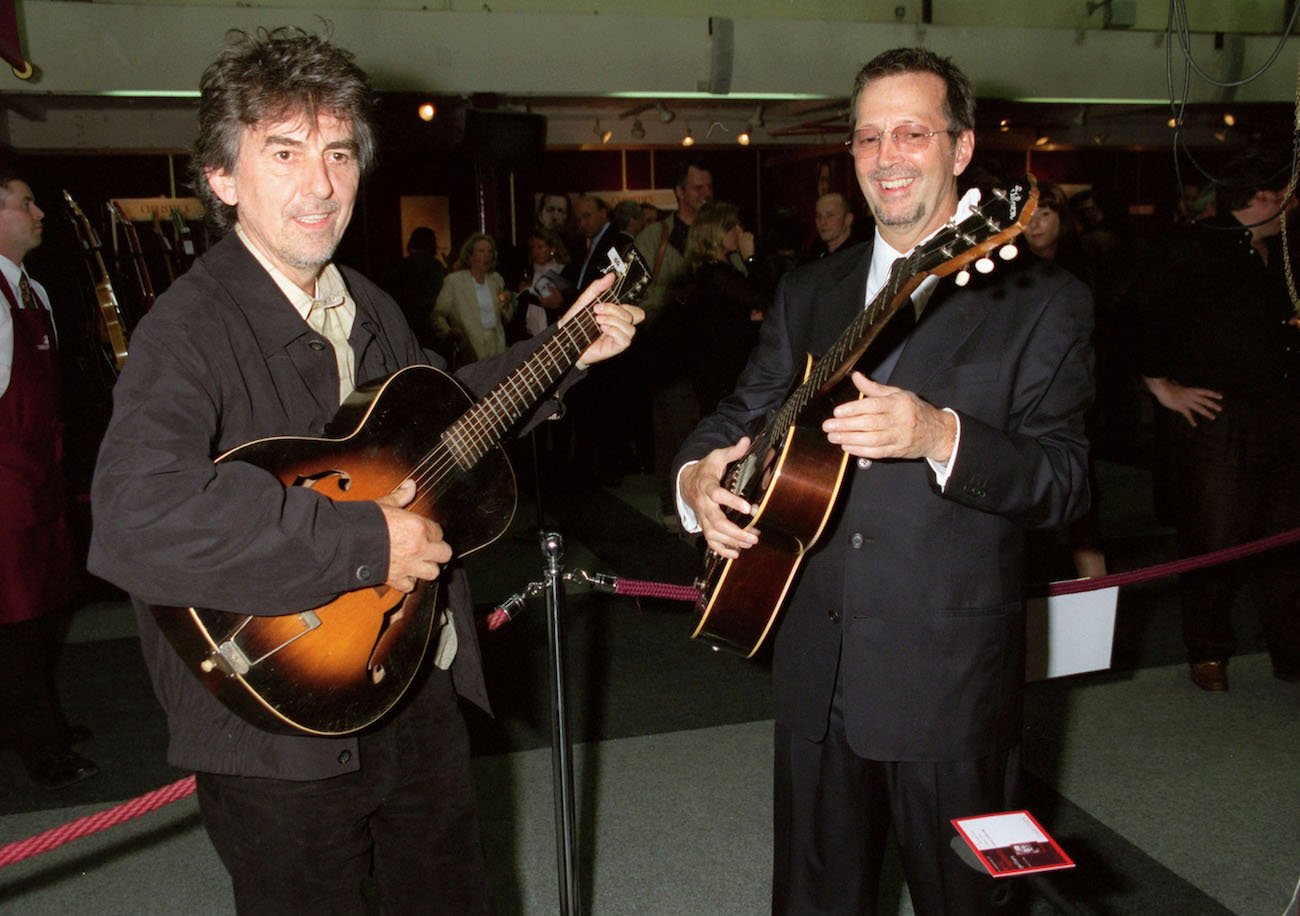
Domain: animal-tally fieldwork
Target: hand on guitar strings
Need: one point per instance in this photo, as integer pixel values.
(617, 322)
(889, 422)
(416, 549)
(702, 490)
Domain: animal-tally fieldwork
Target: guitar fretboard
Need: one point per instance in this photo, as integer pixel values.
(483, 425)
(952, 247)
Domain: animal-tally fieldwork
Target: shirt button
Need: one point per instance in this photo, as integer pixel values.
(864, 463)
(856, 541)
(345, 756)
(364, 573)
(315, 345)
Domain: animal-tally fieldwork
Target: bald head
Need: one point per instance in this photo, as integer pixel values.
(834, 219)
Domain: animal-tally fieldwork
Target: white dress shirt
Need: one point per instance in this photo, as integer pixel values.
(12, 274)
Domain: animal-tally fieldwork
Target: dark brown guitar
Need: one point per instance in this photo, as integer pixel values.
(108, 315)
(144, 283)
(791, 474)
(337, 668)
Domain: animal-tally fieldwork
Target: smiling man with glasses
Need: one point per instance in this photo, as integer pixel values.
(898, 664)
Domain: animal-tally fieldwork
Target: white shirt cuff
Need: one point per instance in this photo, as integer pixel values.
(690, 523)
(941, 471)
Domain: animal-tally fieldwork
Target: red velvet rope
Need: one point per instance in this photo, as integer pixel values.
(93, 823)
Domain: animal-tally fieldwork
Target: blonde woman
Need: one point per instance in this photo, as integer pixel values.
(473, 306)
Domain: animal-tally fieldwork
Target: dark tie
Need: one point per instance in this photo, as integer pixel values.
(25, 293)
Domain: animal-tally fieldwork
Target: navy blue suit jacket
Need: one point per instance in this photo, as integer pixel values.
(923, 588)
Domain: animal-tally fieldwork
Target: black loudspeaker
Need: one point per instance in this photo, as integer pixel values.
(504, 137)
(722, 52)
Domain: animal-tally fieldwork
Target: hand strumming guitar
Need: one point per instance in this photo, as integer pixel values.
(700, 485)
(889, 422)
(416, 549)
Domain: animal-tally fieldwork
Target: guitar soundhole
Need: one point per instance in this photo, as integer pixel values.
(311, 481)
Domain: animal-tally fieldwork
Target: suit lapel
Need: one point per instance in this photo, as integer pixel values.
(938, 336)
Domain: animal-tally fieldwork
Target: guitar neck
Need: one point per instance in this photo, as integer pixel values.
(951, 248)
(483, 425)
(836, 363)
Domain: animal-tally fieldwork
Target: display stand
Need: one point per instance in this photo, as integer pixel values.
(566, 847)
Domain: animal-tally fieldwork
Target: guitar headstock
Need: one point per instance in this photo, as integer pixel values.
(633, 276)
(993, 224)
(85, 230)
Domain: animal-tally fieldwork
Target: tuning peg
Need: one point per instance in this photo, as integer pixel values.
(1008, 252)
(984, 265)
(962, 278)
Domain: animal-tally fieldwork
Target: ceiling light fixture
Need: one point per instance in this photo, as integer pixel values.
(664, 114)
(687, 139)
(743, 138)
(427, 112)
(638, 131)
(605, 135)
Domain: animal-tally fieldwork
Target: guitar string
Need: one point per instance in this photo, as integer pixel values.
(902, 270)
(478, 431)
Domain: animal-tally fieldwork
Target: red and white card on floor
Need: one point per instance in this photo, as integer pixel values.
(1011, 843)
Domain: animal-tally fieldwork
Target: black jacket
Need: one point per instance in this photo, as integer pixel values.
(222, 359)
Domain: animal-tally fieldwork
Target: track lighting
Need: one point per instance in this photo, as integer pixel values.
(638, 131)
(665, 115)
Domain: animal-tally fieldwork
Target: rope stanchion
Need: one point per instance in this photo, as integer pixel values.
(640, 588)
(93, 823)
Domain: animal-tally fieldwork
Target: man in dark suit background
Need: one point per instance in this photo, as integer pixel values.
(593, 222)
(898, 665)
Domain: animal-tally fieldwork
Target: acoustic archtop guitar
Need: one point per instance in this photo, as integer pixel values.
(108, 314)
(791, 474)
(337, 668)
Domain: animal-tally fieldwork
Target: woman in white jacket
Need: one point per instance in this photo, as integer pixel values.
(473, 306)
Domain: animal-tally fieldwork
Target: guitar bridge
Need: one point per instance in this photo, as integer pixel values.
(231, 660)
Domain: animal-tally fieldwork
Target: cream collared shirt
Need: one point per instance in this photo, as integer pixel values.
(331, 293)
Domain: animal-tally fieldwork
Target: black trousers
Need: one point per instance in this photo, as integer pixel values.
(1237, 482)
(833, 810)
(31, 719)
(408, 818)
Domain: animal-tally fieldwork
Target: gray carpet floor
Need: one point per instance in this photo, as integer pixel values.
(1170, 800)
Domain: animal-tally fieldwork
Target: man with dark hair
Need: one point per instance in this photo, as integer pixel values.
(663, 244)
(264, 337)
(553, 211)
(417, 280)
(628, 217)
(36, 553)
(898, 665)
(1220, 355)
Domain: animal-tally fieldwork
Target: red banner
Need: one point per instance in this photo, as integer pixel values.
(11, 49)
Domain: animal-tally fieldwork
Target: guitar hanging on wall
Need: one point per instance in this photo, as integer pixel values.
(337, 668)
(108, 315)
(791, 474)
